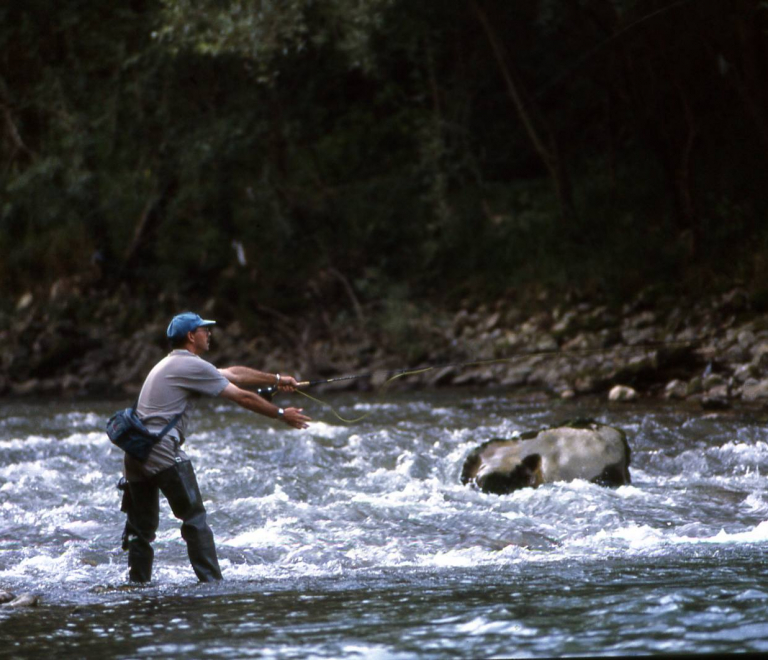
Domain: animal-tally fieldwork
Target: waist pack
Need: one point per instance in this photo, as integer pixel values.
(128, 432)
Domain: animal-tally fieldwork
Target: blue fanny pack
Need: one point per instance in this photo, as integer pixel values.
(128, 432)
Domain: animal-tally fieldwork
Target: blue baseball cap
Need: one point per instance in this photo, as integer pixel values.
(181, 324)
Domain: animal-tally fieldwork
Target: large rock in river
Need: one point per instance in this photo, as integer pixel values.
(580, 449)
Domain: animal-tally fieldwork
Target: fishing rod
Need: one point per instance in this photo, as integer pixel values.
(269, 392)
(398, 373)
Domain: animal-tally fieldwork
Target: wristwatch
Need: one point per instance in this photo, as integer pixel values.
(280, 413)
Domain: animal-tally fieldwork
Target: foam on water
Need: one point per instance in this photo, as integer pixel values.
(325, 430)
(78, 420)
(375, 406)
(759, 534)
(378, 495)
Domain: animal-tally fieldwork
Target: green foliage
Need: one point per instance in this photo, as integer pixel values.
(267, 32)
(157, 141)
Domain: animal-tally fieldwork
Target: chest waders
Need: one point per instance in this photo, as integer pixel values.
(141, 503)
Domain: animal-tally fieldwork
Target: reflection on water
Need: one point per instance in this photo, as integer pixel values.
(359, 540)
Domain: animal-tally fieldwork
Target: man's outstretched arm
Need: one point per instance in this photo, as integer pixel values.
(247, 377)
(253, 402)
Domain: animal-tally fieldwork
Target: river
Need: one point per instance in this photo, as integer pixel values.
(357, 540)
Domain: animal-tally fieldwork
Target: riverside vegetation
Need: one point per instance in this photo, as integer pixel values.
(362, 183)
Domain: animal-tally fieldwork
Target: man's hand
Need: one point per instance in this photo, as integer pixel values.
(253, 402)
(293, 417)
(287, 384)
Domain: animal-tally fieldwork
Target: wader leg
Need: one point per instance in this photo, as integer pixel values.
(179, 485)
(141, 503)
(125, 507)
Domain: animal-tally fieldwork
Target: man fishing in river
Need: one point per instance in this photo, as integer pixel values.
(168, 392)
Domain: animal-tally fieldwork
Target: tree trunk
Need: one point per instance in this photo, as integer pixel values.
(541, 135)
(750, 77)
(683, 179)
(146, 226)
(11, 132)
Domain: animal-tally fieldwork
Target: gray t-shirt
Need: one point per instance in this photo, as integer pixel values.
(170, 388)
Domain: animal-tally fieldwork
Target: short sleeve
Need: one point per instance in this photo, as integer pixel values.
(201, 377)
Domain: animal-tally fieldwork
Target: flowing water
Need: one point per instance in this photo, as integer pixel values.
(359, 541)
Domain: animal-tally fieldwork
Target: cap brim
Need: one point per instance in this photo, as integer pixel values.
(205, 323)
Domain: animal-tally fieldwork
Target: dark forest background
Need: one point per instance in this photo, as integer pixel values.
(263, 152)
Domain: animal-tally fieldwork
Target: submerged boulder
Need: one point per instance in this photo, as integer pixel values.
(579, 449)
(23, 600)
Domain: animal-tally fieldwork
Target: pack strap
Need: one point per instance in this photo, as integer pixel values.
(168, 426)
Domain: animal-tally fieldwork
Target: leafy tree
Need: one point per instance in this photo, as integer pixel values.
(253, 151)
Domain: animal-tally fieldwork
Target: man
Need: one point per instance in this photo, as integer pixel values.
(169, 390)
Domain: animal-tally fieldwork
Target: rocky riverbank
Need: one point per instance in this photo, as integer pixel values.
(713, 350)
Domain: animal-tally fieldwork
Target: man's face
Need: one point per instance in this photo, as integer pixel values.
(201, 340)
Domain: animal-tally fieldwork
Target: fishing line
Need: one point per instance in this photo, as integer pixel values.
(400, 374)
(333, 410)
(420, 370)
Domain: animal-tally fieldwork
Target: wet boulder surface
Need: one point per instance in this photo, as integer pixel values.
(576, 449)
